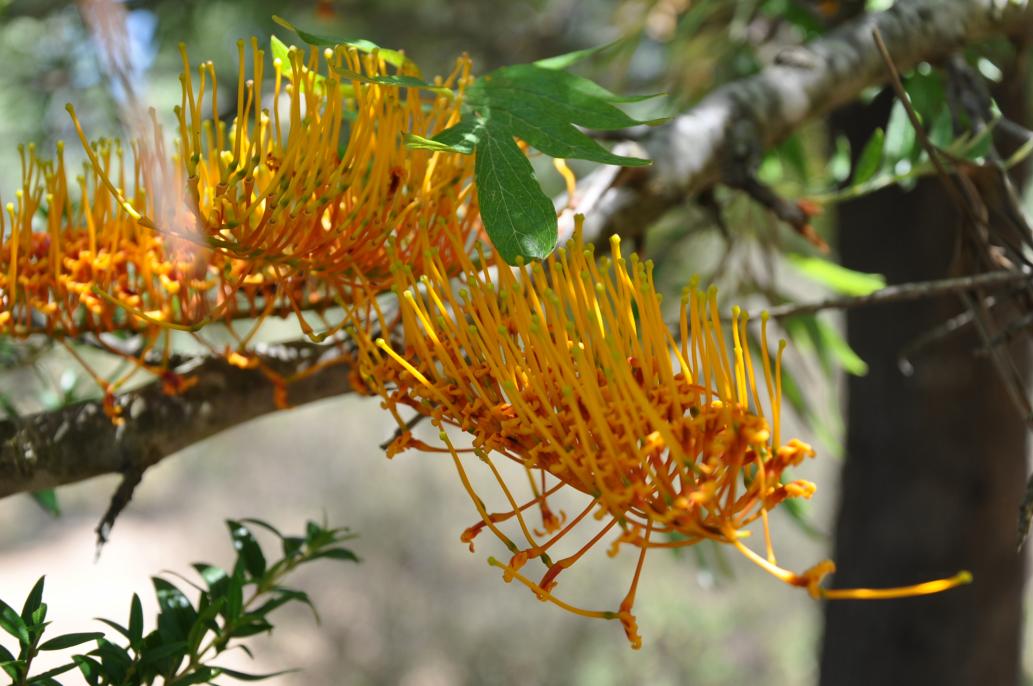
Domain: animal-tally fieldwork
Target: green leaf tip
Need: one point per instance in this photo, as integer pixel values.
(546, 108)
(393, 57)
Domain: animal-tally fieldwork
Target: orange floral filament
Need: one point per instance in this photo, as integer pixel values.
(567, 368)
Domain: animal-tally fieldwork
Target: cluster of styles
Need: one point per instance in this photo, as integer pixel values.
(565, 367)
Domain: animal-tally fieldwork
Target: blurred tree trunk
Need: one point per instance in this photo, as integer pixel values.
(935, 465)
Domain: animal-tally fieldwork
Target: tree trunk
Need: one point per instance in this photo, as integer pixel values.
(935, 465)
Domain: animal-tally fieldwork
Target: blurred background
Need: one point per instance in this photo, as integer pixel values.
(420, 609)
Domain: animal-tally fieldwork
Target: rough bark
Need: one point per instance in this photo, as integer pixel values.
(934, 470)
(79, 441)
(724, 135)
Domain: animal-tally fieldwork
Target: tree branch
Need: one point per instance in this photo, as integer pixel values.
(725, 134)
(905, 291)
(79, 441)
(732, 127)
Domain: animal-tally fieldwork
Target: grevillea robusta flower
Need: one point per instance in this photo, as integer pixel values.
(567, 369)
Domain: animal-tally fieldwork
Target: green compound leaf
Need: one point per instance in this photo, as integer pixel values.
(519, 217)
(543, 107)
(538, 103)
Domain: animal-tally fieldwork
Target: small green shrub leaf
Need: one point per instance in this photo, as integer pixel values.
(70, 640)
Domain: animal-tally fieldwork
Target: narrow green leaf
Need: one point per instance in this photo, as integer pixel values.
(13, 668)
(281, 52)
(43, 681)
(204, 623)
(870, 159)
(394, 80)
(249, 625)
(51, 673)
(47, 499)
(244, 676)
(135, 621)
(810, 331)
(337, 554)
(200, 675)
(836, 277)
(91, 670)
(262, 524)
(569, 59)
(13, 624)
(518, 216)
(927, 94)
(114, 625)
(792, 151)
(114, 661)
(849, 360)
(838, 165)
(292, 545)
(6, 655)
(33, 602)
(234, 596)
(392, 57)
(941, 133)
(900, 140)
(247, 548)
(215, 578)
(70, 640)
(177, 613)
(420, 143)
(162, 651)
(284, 596)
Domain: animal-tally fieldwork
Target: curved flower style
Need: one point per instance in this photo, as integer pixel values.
(271, 214)
(568, 369)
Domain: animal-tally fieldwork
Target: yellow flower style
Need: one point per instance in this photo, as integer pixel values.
(290, 208)
(568, 369)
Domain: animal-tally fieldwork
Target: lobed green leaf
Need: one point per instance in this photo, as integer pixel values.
(517, 215)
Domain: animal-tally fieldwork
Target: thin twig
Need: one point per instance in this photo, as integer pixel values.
(903, 292)
(1010, 375)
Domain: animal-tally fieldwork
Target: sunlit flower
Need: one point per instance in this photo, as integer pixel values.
(567, 368)
(292, 208)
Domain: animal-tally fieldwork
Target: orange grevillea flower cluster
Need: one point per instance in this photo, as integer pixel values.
(567, 369)
(289, 208)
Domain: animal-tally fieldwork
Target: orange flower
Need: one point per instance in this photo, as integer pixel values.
(270, 214)
(567, 368)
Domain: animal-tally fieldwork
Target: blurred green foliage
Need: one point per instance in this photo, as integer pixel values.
(187, 636)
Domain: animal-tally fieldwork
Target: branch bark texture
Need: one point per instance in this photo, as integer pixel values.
(724, 136)
(79, 441)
